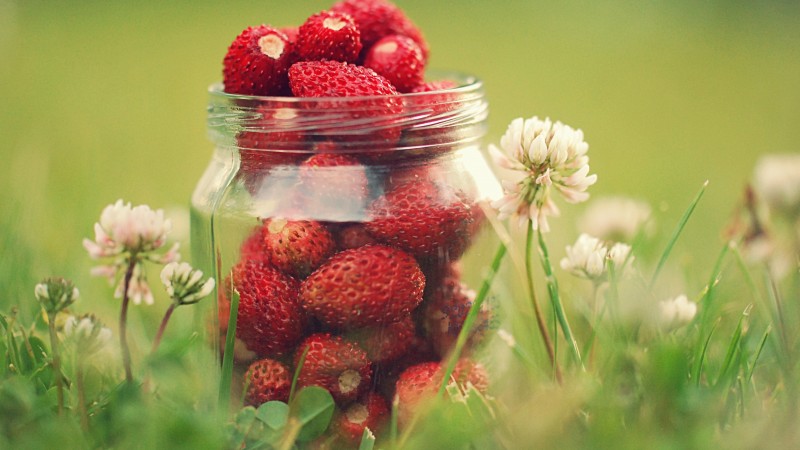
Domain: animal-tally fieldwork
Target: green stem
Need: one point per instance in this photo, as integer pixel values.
(536, 309)
(162, 327)
(227, 357)
(555, 299)
(84, 415)
(56, 362)
(123, 320)
(472, 314)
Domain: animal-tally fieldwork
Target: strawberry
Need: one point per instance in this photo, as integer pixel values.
(436, 85)
(445, 309)
(399, 59)
(385, 343)
(369, 412)
(353, 236)
(365, 286)
(328, 35)
(296, 247)
(291, 33)
(267, 380)
(333, 363)
(422, 218)
(378, 18)
(378, 113)
(271, 320)
(257, 62)
(334, 184)
(419, 383)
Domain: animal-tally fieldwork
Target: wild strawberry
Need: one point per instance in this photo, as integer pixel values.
(334, 185)
(378, 18)
(422, 218)
(257, 62)
(439, 96)
(399, 59)
(353, 236)
(365, 286)
(385, 343)
(267, 380)
(291, 33)
(328, 35)
(328, 79)
(271, 320)
(296, 247)
(420, 383)
(333, 363)
(445, 309)
(369, 412)
(436, 85)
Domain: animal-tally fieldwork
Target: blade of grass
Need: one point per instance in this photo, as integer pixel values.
(733, 347)
(752, 367)
(227, 357)
(555, 298)
(676, 234)
(701, 358)
(296, 374)
(713, 281)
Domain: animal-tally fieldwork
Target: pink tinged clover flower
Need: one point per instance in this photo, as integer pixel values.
(545, 156)
(590, 258)
(128, 235)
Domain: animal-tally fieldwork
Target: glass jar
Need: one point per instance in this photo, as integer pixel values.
(350, 231)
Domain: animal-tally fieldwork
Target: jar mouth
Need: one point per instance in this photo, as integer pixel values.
(412, 121)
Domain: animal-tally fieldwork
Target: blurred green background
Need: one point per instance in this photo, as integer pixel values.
(105, 100)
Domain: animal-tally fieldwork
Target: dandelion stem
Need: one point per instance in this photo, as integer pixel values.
(555, 299)
(536, 309)
(51, 319)
(163, 326)
(472, 314)
(123, 320)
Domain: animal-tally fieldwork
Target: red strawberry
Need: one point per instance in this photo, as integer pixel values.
(378, 18)
(271, 320)
(334, 185)
(370, 412)
(436, 85)
(257, 62)
(291, 33)
(328, 35)
(386, 343)
(445, 309)
(377, 113)
(353, 236)
(365, 286)
(399, 59)
(296, 247)
(267, 380)
(420, 383)
(424, 219)
(335, 364)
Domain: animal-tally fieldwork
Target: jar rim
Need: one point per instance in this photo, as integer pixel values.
(466, 84)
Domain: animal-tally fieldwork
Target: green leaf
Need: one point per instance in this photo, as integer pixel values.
(313, 407)
(39, 349)
(367, 440)
(274, 414)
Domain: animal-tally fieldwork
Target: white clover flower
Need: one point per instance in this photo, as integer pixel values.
(548, 155)
(614, 218)
(777, 181)
(676, 312)
(55, 294)
(126, 235)
(184, 284)
(87, 333)
(589, 258)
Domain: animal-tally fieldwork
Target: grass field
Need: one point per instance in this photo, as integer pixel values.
(106, 100)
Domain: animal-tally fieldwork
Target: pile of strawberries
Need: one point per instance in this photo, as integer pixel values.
(370, 307)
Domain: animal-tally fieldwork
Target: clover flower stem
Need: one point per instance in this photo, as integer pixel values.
(555, 299)
(123, 320)
(162, 327)
(51, 321)
(79, 385)
(548, 344)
